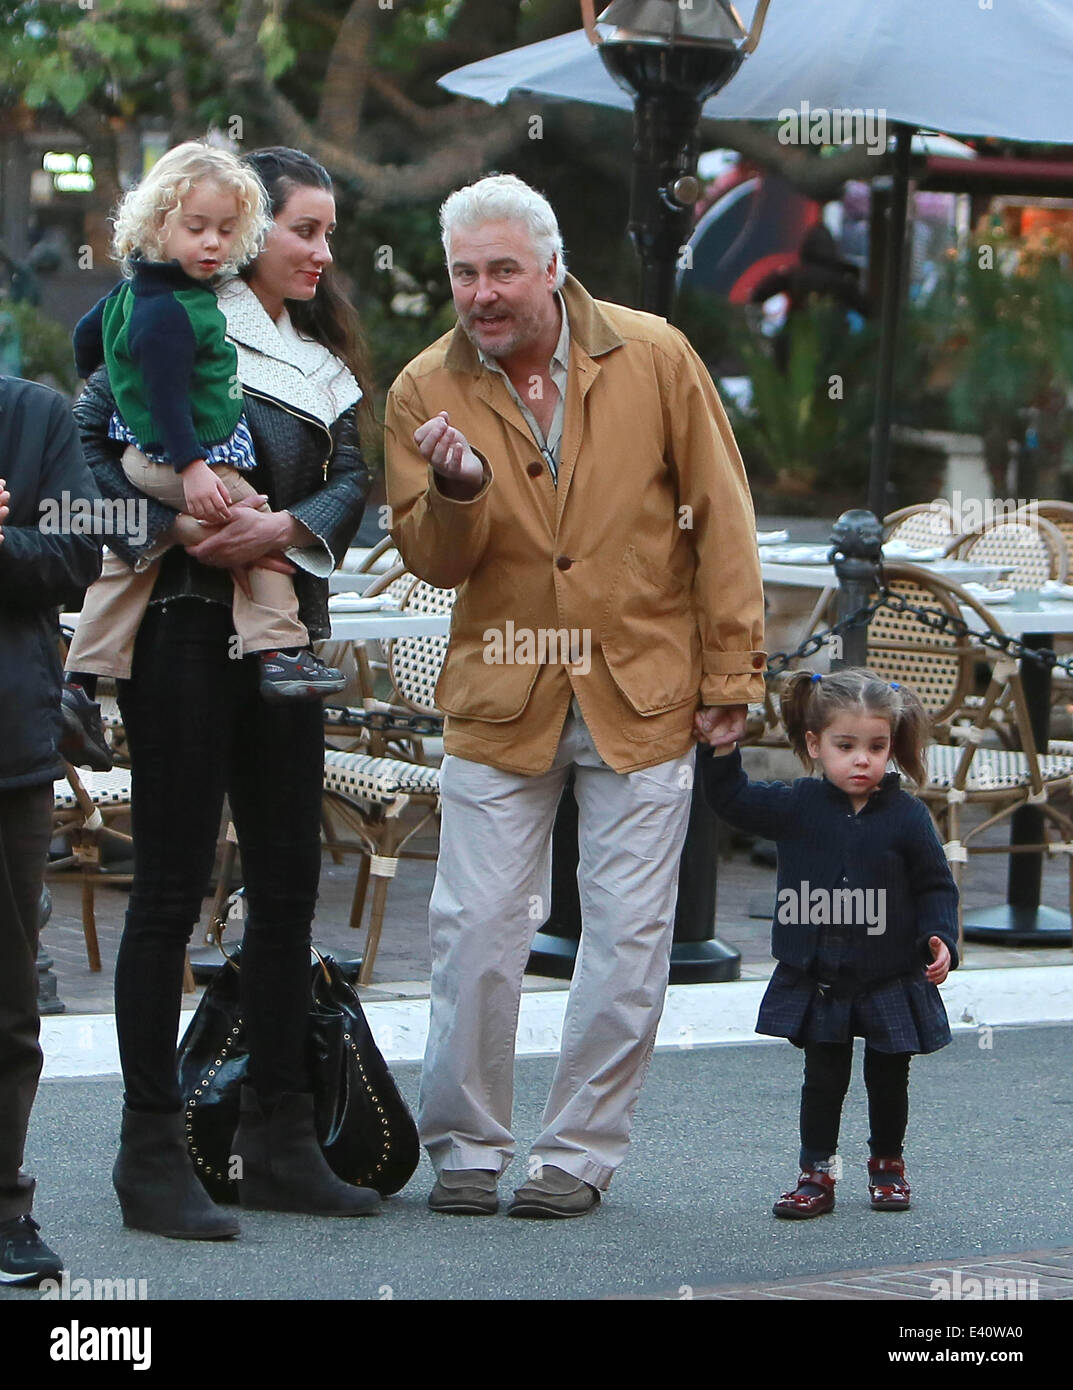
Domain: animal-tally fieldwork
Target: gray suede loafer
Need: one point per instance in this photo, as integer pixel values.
(465, 1192)
(553, 1194)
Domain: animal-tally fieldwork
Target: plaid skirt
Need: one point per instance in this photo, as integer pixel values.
(905, 1014)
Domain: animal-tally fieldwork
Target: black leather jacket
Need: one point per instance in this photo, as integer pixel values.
(317, 475)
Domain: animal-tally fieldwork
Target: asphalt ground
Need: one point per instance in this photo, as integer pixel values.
(715, 1141)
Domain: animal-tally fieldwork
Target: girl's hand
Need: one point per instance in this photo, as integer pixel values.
(720, 726)
(206, 497)
(940, 966)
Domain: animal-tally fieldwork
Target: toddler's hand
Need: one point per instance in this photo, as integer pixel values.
(940, 966)
(206, 497)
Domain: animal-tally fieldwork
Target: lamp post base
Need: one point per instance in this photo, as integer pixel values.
(1018, 926)
(692, 962)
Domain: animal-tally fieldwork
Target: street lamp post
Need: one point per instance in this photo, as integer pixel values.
(671, 56)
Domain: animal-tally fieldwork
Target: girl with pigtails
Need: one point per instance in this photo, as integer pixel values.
(865, 925)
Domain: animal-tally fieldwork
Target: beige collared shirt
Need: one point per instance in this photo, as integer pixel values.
(551, 445)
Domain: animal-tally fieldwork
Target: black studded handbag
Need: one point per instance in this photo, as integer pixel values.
(364, 1126)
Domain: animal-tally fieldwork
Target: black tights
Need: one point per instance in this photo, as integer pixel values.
(198, 728)
(827, 1073)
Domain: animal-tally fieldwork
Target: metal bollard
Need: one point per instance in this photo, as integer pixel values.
(856, 549)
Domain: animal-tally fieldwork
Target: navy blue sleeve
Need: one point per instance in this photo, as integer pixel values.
(761, 808)
(88, 338)
(935, 895)
(163, 346)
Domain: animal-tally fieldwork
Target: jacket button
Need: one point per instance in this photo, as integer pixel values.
(535, 469)
(564, 562)
(758, 662)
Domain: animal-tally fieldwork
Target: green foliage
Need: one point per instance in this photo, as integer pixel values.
(63, 53)
(45, 345)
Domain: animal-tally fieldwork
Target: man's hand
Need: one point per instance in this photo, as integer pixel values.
(720, 725)
(940, 966)
(5, 498)
(450, 455)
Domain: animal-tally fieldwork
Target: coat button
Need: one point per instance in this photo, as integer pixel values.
(564, 562)
(535, 469)
(758, 662)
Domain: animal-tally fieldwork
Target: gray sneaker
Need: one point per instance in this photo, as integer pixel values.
(465, 1192)
(553, 1194)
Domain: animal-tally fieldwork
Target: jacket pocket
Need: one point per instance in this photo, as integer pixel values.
(470, 687)
(649, 638)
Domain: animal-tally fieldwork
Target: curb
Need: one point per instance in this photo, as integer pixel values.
(693, 1016)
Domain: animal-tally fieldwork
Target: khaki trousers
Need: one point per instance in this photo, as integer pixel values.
(115, 605)
(492, 892)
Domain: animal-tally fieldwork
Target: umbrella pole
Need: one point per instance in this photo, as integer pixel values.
(893, 278)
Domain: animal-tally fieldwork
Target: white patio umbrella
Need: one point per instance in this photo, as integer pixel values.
(974, 67)
(968, 67)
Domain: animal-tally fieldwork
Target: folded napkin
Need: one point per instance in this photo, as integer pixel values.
(982, 594)
(358, 603)
(1052, 589)
(772, 537)
(902, 550)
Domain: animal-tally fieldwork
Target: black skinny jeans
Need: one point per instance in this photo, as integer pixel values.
(827, 1073)
(198, 728)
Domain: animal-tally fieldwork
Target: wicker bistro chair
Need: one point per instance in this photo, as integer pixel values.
(965, 767)
(1034, 548)
(85, 807)
(923, 524)
(384, 803)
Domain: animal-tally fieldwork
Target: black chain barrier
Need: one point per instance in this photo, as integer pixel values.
(382, 722)
(935, 619)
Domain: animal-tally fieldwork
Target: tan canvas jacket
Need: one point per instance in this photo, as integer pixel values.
(644, 554)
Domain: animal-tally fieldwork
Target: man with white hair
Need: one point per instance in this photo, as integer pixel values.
(566, 464)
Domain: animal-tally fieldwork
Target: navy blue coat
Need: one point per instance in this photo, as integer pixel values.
(890, 845)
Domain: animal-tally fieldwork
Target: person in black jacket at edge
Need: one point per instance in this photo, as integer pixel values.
(41, 567)
(197, 728)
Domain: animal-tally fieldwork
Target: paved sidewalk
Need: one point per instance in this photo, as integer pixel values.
(1034, 1274)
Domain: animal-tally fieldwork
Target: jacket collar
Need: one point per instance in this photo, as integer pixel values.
(589, 329)
(891, 783)
(162, 277)
(298, 372)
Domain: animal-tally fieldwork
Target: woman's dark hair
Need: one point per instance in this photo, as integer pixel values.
(329, 317)
(810, 701)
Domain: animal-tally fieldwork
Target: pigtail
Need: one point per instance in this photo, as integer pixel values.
(910, 735)
(794, 700)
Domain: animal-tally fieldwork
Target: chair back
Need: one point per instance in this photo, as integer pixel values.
(414, 663)
(924, 524)
(1034, 550)
(940, 666)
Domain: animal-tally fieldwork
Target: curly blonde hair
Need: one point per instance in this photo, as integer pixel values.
(149, 210)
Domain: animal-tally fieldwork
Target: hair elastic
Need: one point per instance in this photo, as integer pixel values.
(895, 686)
(816, 676)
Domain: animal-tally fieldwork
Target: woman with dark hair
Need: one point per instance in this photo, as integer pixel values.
(198, 728)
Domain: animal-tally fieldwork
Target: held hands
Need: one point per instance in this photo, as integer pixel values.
(5, 498)
(247, 540)
(449, 453)
(940, 966)
(720, 726)
(206, 497)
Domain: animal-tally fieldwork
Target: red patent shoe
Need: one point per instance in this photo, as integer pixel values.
(887, 1185)
(800, 1206)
